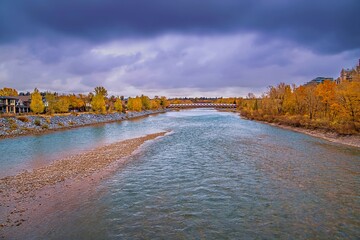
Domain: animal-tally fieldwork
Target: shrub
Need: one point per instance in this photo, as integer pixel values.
(37, 122)
(13, 126)
(23, 119)
(45, 126)
(10, 120)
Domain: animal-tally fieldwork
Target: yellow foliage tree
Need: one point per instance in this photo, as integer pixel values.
(134, 104)
(8, 92)
(62, 104)
(36, 105)
(98, 103)
(118, 105)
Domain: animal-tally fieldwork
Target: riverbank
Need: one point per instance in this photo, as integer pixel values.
(33, 193)
(349, 140)
(28, 125)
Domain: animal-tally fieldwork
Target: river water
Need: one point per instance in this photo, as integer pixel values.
(215, 176)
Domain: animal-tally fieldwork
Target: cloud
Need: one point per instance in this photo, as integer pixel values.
(178, 65)
(207, 47)
(322, 26)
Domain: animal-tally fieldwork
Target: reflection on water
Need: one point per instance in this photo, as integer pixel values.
(219, 177)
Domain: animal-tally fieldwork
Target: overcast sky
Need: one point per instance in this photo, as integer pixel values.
(174, 48)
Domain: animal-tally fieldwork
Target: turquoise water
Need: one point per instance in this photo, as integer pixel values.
(215, 176)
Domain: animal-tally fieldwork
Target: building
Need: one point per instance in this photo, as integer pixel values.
(319, 80)
(19, 104)
(349, 74)
(23, 104)
(7, 104)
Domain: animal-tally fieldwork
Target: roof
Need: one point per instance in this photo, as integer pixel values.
(8, 97)
(24, 98)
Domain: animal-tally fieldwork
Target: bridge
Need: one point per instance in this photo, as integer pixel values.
(202, 105)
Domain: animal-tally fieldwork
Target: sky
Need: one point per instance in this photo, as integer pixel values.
(179, 48)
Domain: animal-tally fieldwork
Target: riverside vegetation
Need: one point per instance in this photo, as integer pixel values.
(51, 111)
(327, 106)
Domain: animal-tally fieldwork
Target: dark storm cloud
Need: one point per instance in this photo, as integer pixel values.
(324, 26)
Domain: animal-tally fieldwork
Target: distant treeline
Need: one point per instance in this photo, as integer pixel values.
(328, 106)
(97, 101)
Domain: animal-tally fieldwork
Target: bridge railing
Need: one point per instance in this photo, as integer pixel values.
(202, 105)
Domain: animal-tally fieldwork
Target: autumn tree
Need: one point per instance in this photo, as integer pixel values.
(134, 104)
(164, 102)
(118, 105)
(145, 102)
(62, 104)
(154, 104)
(348, 96)
(75, 102)
(311, 101)
(98, 103)
(51, 102)
(326, 94)
(36, 105)
(8, 92)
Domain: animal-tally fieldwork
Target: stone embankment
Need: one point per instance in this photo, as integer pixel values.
(22, 125)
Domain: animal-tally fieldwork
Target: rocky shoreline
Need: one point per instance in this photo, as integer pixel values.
(27, 194)
(349, 140)
(26, 125)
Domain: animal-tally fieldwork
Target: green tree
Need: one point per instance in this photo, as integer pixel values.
(36, 105)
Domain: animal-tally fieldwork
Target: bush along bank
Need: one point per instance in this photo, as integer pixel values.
(23, 125)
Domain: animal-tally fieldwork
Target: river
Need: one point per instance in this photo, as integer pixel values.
(215, 176)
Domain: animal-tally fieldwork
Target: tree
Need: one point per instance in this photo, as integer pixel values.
(98, 103)
(118, 105)
(134, 104)
(155, 104)
(101, 91)
(326, 93)
(348, 96)
(62, 104)
(311, 101)
(145, 102)
(164, 102)
(8, 92)
(75, 102)
(51, 102)
(36, 105)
